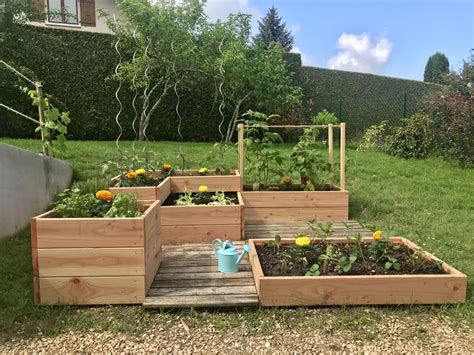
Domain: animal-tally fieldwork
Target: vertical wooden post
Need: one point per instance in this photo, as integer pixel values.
(240, 129)
(39, 93)
(330, 153)
(343, 156)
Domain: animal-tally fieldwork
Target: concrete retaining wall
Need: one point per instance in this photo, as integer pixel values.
(28, 185)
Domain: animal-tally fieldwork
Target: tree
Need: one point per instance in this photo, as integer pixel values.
(436, 67)
(272, 29)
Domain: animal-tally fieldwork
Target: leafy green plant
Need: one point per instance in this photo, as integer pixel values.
(392, 263)
(275, 243)
(123, 205)
(220, 199)
(185, 199)
(320, 230)
(324, 117)
(73, 203)
(342, 263)
(313, 270)
(376, 138)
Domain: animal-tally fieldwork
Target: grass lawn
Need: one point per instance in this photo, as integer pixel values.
(429, 201)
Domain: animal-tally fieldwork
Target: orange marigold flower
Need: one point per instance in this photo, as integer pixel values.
(131, 175)
(286, 180)
(167, 166)
(104, 195)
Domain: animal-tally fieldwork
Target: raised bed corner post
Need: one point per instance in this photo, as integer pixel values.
(343, 157)
(240, 129)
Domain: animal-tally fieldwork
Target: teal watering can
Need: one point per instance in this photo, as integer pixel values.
(228, 258)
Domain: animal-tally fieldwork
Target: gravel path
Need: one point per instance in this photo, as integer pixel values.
(179, 335)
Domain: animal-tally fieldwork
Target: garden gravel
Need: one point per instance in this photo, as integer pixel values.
(392, 335)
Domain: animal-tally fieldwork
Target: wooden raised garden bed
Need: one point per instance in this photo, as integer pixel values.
(190, 179)
(447, 287)
(95, 260)
(201, 223)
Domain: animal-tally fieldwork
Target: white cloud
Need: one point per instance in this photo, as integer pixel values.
(361, 53)
(220, 9)
(305, 59)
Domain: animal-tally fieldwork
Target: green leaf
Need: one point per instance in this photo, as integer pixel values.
(388, 265)
(397, 266)
(352, 258)
(347, 267)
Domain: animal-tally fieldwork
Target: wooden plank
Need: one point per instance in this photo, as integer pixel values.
(172, 269)
(179, 234)
(203, 276)
(202, 283)
(191, 262)
(153, 244)
(257, 272)
(199, 215)
(271, 215)
(90, 262)
(330, 153)
(296, 199)
(214, 183)
(92, 290)
(143, 193)
(202, 291)
(163, 190)
(89, 232)
(342, 157)
(240, 130)
(201, 301)
(361, 290)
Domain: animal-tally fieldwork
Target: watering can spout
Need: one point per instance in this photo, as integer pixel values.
(245, 251)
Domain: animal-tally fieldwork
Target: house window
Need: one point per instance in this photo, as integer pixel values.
(63, 11)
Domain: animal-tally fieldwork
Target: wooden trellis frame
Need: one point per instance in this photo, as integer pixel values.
(330, 127)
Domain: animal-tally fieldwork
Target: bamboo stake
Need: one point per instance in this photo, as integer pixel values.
(39, 93)
(330, 153)
(240, 129)
(20, 114)
(343, 157)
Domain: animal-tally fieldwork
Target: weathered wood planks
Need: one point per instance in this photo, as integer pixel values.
(358, 290)
(95, 260)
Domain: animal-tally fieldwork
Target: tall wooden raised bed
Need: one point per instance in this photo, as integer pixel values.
(95, 260)
(267, 207)
(198, 224)
(357, 290)
(188, 179)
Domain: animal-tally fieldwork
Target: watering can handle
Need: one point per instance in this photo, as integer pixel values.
(214, 247)
(226, 244)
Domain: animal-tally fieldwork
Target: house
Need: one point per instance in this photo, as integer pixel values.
(80, 15)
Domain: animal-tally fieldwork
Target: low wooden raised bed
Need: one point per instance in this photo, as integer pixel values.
(357, 290)
(280, 206)
(95, 260)
(189, 179)
(198, 224)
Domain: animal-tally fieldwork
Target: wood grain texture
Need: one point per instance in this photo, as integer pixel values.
(91, 262)
(357, 290)
(92, 290)
(199, 215)
(264, 215)
(164, 189)
(143, 193)
(201, 301)
(213, 182)
(175, 235)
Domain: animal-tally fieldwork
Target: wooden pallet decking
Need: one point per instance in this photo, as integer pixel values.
(188, 275)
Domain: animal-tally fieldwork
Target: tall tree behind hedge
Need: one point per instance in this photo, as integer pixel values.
(272, 29)
(436, 67)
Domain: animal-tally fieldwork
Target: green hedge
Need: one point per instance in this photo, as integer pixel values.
(364, 99)
(74, 66)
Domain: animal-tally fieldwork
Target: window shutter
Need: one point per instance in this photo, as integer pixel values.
(87, 12)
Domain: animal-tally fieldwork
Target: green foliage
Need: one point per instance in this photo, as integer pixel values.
(76, 204)
(271, 29)
(220, 199)
(275, 243)
(414, 139)
(375, 138)
(123, 205)
(313, 270)
(436, 67)
(185, 199)
(362, 100)
(324, 118)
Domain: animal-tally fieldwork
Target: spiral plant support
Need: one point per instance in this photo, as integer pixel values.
(117, 73)
(180, 119)
(222, 104)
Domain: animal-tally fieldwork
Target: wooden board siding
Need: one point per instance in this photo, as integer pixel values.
(281, 206)
(143, 193)
(213, 182)
(200, 224)
(357, 290)
(94, 260)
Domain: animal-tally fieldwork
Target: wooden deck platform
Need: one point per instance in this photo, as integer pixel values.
(188, 275)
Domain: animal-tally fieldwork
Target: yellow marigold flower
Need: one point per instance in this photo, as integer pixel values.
(203, 171)
(203, 188)
(140, 171)
(131, 175)
(377, 235)
(167, 166)
(303, 241)
(104, 195)
(286, 180)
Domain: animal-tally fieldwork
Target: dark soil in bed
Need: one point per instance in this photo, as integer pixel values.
(171, 200)
(289, 261)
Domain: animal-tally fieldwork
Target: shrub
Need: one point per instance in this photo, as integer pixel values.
(376, 138)
(414, 139)
(325, 117)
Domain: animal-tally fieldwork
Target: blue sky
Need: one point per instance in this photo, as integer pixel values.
(386, 37)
